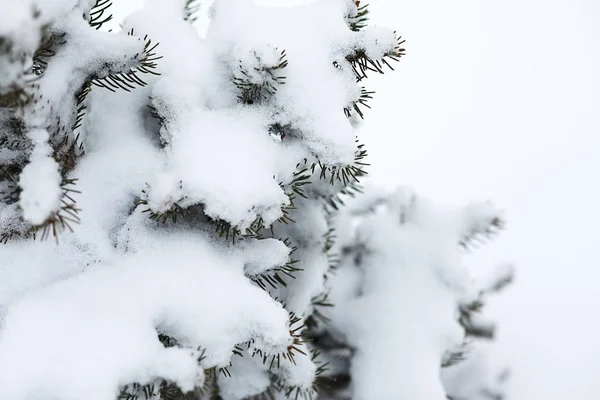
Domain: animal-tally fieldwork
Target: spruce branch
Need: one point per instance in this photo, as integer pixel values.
(358, 18)
(277, 276)
(190, 10)
(329, 240)
(363, 99)
(301, 178)
(457, 355)
(259, 82)
(348, 175)
(279, 386)
(470, 313)
(80, 98)
(129, 80)
(64, 140)
(332, 258)
(12, 134)
(274, 278)
(305, 170)
(480, 234)
(296, 328)
(285, 209)
(257, 229)
(21, 91)
(62, 219)
(16, 228)
(16, 87)
(157, 115)
(48, 48)
(336, 201)
(226, 230)
(163, 390)
(18, 97)
(504, 275)
(172, 213)
(11, 191)
(317, 317)
(345, 174)
(56, 223)
(183, 208)
(362, 64)
(475, 327)
(6, 237)
(96, 17)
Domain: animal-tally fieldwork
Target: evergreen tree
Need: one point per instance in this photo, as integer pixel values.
(478, 375)
(170, 207)
(405, 304)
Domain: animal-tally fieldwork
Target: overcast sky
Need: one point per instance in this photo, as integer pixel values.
(500, 100)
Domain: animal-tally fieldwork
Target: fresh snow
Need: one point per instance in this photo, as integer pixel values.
(84, 337)
(80, 319)
(397, 291)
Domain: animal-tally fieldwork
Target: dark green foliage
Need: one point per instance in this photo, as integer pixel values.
(194, 215)
(168, 391)
(172, 214)
(56, 223)
(12, 132)
(321, 381)
(317, 317)
(358, 19)
(129, 80)
(296, 347)
(301, 178)
(254, 87)
(345, 174)
(18, 92)
(336, 201)
(362, 64)
(253, 91)
(190, 10)
(296, 328)
(164, 390)
(97, 18)
(467, 313)
(66, 215)
(18, 96)
(365, 96)
(80, 97)
(277, 276)
(456, 356)
(333, 258)
(11, 193)
(501, 282)
(278, 384)
(64, 140)
(49, 45)
(480, 236)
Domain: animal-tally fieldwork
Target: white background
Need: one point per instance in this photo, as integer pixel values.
(500, 100)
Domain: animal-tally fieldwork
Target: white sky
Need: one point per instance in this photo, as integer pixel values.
(501, 100)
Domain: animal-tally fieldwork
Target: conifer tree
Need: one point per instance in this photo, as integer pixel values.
(170, 204)
(405, 304)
